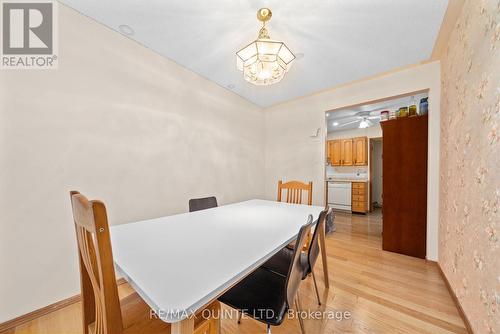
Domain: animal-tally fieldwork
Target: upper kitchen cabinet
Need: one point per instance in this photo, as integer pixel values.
(348, 152)
(360, 151)
(334, 152)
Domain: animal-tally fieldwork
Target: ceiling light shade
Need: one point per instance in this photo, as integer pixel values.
(264, 61)
(364, 123)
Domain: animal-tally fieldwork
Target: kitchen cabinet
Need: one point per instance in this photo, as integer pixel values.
(334, 152)
(359, 198)
(348, 151)
(360, 151)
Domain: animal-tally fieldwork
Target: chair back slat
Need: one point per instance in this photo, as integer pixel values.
(101, 304)
(294, 276)
(294, 191)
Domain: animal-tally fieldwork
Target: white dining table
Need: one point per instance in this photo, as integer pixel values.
(178, 264)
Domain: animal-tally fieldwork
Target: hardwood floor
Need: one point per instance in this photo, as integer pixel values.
(383, 292)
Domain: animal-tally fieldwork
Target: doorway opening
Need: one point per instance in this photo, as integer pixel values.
(376, 173)
(355, 169)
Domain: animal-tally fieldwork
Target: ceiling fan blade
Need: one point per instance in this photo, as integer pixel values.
(347, 123)
(345, 117)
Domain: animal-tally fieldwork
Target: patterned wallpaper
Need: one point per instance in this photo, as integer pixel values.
(469, 231)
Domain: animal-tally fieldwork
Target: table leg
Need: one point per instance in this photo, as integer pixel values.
(185, 326)
(203, 323)
(322, 244)
(215, 324)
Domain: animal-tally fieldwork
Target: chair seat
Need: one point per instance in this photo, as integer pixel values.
(260, 291)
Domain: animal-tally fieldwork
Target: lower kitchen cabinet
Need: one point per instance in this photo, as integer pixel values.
(359, 197)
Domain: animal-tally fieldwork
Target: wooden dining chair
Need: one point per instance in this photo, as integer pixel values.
(294, 191)
(102, 310)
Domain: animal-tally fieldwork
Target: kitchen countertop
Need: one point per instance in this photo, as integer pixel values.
(346, 180)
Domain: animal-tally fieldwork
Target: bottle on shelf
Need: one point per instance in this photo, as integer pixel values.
(412, 109)
(384, 115)
(403, 112)
(424, 106)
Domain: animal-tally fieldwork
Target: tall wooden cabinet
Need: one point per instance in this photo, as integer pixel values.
(405, 185)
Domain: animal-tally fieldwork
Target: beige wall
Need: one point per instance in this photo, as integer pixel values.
(370, 132)
(292, 154)
(469, 246)
(119, 123)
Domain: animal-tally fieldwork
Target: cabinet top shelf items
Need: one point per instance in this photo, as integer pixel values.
(402, 119)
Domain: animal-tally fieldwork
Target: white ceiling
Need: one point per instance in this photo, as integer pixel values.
(349, 118)
(341, 40)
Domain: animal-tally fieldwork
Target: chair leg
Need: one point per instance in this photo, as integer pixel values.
(240, 315)
(268, 329)
(316, 287)
(298, 305)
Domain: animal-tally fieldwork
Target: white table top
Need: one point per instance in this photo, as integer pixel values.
(180, 263)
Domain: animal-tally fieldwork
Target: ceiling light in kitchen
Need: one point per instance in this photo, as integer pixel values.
(364, 123)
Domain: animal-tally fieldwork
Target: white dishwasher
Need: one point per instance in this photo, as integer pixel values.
(339, 195)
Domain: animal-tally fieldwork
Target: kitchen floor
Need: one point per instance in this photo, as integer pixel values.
(366, 226)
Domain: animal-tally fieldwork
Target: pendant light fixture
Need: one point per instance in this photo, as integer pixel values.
(264, 61)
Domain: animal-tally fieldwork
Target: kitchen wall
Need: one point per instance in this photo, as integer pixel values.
(330, 170)
(469, 246)
(370, 132)
(291, 152)
(119, 123)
